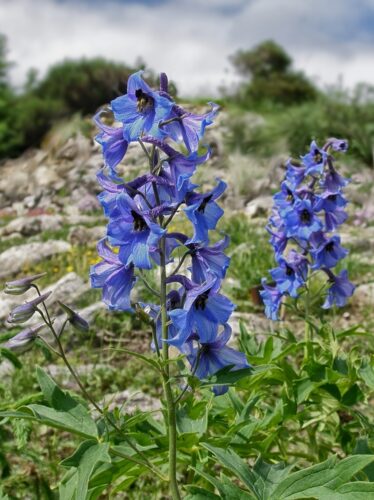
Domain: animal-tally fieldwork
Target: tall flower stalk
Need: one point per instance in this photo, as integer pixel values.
(304, 224)
(190, 313)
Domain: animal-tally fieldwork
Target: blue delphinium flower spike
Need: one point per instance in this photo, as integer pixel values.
(309, 206)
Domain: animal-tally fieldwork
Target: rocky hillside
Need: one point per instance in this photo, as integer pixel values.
(50, 219)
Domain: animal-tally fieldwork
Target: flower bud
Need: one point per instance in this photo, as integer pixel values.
(338, 144)
(18, 287)
(74, 318)
(164, 84)
(22, 313)
(24, 339)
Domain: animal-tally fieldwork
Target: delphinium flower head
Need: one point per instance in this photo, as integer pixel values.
(139, 237)
(306, 215)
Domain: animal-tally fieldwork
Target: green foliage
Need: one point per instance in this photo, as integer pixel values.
(331, 117)
(263, 60)
(84, 85)
(329, 479)
(271, 79)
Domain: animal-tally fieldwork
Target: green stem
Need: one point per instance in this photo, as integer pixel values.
(308, 349)
(171, 415)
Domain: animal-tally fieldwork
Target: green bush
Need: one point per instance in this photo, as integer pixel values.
(331, 118)
(84, 85)
(269, 77)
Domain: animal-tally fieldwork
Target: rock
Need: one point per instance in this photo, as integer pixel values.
(81, 235)
(67, 289)
(14, 259)
(259, 207)
(28, 226)
(88, 203)
(364, 294)
(360, 240)
(75, 218)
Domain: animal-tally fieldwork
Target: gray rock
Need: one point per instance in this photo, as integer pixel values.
(14, 259)
(364, 294)
(81, 235)
(259, 207)
(28, 226)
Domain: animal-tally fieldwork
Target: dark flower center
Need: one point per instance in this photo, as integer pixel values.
(330, 246)
(204, 348)
(200, 302)
(317, 156)
(139, 222)
(204, 203)
(289, 195)
(332, 197)
(289, 271)
(305, 217)
(145, 101)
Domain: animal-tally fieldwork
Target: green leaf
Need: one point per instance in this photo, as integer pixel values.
(236, 465)
(358, 490)
(10, 356)
(192, 419)
(367, 374)
(227, 377)
(362, 448)
(75, 459)
(352, 396)
(320, 479)
(269, 476)
(65, 412)
(68, 485)
(90, 459)
(227, 489)
(198, 493)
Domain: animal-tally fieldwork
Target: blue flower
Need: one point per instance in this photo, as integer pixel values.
(189, 127)
(141, 109)
(315, 160)
(335, 219)
(291, 273)
(295, 173)
(340, 289)
(278, 240)
(340, 145)
(204, 212)
(135, 232)
(333, 181)
(178, 168)
(209, 260)
(207, 358)
(113, 143)
(272, 299)
(174, 300)
(328, 253)
(285, 197)
(113, 277)
(301, 221)
(203, 311)
(329, 201)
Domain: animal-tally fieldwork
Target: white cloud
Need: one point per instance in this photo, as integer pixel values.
(191, 39)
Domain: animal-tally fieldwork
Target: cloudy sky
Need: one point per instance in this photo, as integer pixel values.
(192, 39)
